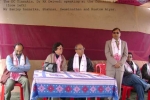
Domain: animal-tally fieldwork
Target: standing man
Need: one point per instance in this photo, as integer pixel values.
(116, 52)
(17, 65)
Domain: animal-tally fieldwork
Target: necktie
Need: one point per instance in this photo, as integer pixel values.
(117, 43)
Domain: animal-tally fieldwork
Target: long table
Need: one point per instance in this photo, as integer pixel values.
(72, 84)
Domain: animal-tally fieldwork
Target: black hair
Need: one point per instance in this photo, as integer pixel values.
(116, 29)
(18, 44)
(57, 44)
(130, 53)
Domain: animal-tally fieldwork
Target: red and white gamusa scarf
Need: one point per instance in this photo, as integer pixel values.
(58, 62)
(116, 50)
(128, 68)
(15, 75)
(83, 64)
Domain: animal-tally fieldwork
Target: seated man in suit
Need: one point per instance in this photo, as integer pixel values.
(146, 71)
(132, 77)
(80, 62)
(17, 64)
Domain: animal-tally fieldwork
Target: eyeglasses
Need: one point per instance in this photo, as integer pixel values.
(116, 32)
(129, 56)
(80, 49)
(59, 48)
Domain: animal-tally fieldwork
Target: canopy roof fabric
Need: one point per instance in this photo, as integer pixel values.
(133, 2)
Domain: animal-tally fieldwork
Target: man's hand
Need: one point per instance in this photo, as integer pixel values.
(117, 65)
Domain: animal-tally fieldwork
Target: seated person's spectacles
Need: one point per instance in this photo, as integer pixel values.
(115, 32)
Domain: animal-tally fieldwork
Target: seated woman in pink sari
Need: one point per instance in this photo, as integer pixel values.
(57, 57)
